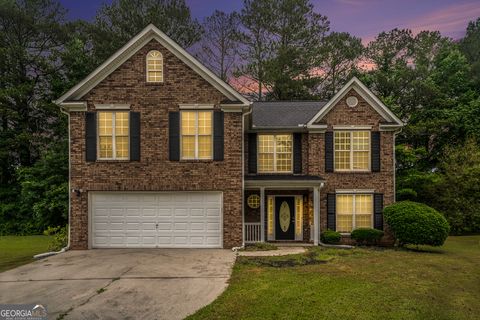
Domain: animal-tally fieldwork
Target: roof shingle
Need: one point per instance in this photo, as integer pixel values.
(278, 114)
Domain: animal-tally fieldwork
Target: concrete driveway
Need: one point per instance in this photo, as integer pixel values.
(121, 283)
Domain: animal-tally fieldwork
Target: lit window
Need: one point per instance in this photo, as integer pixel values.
(113, 139)
(352, 150)
(154, 66)
(196, 134)
(298, 217)
(270, 218)
(275, 153)
(354, 211)
(253, 201)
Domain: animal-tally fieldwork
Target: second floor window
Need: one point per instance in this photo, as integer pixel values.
(352, 150)
(154, 66)
(196, 134)
(113, 139)
(275, 153)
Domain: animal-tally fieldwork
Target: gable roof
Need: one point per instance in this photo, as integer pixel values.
(130, 48)
(284, 114)
(392, 121)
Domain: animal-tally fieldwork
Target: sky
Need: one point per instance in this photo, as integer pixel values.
(361, 18)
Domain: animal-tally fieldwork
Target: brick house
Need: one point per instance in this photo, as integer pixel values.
(163, 153)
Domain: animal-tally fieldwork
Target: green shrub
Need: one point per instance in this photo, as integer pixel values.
(366, 236)
(330, 236)
(60, 237)
(407, 194)
(416, 223)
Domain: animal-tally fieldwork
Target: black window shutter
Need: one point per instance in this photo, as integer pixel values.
(134, 136)
(329, 151)
(378, 211)
(252, 153)
(375, 151)
(331, 199)
(174, 135)
(218, 123)
(90, 136)
(297, 153)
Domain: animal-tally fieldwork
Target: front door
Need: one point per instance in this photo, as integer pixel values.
(285, 218)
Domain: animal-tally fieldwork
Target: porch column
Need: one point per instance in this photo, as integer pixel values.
(316, 215)
(262, 213)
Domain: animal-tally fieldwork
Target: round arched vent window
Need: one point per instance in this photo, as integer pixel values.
(352, 101)
(253, 201)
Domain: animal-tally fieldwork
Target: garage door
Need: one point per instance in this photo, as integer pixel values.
(156, 220)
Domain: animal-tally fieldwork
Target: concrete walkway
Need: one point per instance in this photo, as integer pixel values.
(121, 283)
(281, 251)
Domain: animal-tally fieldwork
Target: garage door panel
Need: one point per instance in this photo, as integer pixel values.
(167, 219)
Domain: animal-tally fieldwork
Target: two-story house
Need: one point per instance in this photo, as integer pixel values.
(163, 153)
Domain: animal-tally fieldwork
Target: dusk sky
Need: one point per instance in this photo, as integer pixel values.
(362, 18)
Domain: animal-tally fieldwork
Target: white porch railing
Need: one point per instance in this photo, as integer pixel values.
(253, 232)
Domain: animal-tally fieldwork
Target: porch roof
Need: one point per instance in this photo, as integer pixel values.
(284, 181)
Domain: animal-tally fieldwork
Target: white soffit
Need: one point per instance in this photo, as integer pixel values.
(129, 49)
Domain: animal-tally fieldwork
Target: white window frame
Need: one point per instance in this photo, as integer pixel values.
(274, 152)
(369, 169)
(161, 66)
(196, 135)
(114, 151)
(354, 220)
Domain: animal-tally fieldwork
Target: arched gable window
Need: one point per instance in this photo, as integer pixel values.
(154, 66)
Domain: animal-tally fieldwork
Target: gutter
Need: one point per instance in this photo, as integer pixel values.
(52, 253)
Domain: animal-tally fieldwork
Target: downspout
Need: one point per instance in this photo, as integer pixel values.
(52, 253)
(235, 249)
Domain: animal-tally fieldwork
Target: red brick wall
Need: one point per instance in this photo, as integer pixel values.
(380, 182)
(313, 157)
(154, 172)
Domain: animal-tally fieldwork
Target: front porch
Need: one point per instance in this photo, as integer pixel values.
(282, 209)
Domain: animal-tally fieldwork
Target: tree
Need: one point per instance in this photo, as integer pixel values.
(116, 23)
(255, 43)
(297, 32)
(218, 48)
(339, 57)
(31, 33)
(470, 47)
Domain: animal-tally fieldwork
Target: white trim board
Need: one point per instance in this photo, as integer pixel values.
(130, 48)
(365, 93)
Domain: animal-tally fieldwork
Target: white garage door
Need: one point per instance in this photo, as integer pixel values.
(156, 220)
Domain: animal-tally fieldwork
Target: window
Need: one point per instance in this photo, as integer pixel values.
(154, 66)
(196, 135)
(113, 139)
(354, 211)
(275, 153)
(298, 218)
(253, 201)
(352, 150)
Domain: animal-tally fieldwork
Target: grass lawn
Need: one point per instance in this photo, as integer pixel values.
(18, 250)
(443, 283)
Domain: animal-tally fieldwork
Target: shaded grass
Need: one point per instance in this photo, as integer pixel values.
(364, 283)
(18, 250)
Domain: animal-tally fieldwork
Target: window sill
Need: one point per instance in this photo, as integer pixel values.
(155, 83)
(195, 160)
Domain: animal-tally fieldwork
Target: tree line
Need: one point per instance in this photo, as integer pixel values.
(269, 50)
